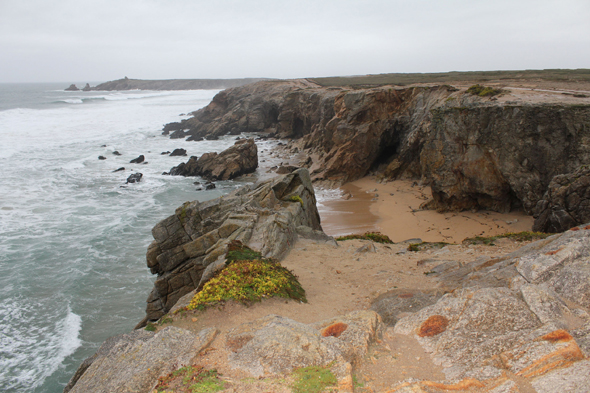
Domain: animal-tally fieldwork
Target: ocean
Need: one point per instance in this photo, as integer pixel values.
(73, 235)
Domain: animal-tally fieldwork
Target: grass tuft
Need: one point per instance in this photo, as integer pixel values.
(373, 236)
(313, 379)
(193, 379)
(517, 236)
(484, 91)
(426, 245)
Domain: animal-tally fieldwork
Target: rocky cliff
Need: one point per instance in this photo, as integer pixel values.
(192, 243)
(476, 152)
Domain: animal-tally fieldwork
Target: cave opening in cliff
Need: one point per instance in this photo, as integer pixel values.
(389, 147)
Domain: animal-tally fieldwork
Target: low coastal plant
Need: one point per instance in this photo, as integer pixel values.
(483, 91)
(373, 236)
(524, 236)
(150, 327)
(248, 278)
(190, 379)
(313, 379)
(426, 245)
(296, 198)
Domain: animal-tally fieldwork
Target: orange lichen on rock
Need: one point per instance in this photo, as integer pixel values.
(463, 385)
(575, 229)
(334, 330)
(587, 227)
(557, 336)
(562, 357)
(434, 325)
(553, 252)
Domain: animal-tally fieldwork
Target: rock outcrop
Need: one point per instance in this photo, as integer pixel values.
(133, 362)
(87, 87)
(565, 204)
(72, 87)
(474, 152)
(519, 319)
(237, 160)
(265, 217)
(173, 84)
(277, 345)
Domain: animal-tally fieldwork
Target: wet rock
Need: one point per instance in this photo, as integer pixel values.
(237, 160)
(138, 160)
(119, 169)
(116, 153)
(178, 152)
(284, 169)
(164, 153)
(102, 158)
(134, 178)
(210, 186)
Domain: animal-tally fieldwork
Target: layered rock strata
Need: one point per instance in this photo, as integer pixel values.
(266, 217)
(474, 152)
(239, 159)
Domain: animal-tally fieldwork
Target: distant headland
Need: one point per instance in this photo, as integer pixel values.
(167, 84)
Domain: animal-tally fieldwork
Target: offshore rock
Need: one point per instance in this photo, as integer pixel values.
(138, 160)
(134, 362)
(265, 217)
(237, 160)
(565, 204)
(134, 178)
(87, 87)
(473, 152)
(72, 87)
(178, 152)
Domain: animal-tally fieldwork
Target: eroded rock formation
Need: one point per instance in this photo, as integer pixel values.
(566, 202)
(475, 153)
(237, 160)
(265, 217)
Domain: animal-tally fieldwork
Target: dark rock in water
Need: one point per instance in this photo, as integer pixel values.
(164, 153)
(195, 138)
(210, 186)
(72, 88)
(199, 233)
(87, 87)
(178, 134)
(165, 173)
(283, 170)
(197, 183)
(102, 158)
(175, 126)
(145, 162)
(103, 145)
(566, 203)
(120, 169)
(178, 152)
(134, 178)
(116, 153)
(199, 189)
(239, 159)
(137, 160)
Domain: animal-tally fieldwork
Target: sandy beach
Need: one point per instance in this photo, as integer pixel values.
(393, 208)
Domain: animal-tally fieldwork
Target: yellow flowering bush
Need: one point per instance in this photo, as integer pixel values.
(248, 281)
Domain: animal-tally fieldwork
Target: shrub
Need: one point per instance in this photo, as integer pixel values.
(313, 379)
(483, 91)
(193, 379)
(373, 236)
(517, 236)
(247, 281)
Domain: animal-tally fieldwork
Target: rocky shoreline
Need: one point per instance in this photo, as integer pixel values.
(165, 84)
(514, 322)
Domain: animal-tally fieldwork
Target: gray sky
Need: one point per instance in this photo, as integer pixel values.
(99, 40)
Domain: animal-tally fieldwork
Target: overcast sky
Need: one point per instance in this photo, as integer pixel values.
(99, 40)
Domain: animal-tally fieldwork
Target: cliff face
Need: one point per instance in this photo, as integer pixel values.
(475, 152)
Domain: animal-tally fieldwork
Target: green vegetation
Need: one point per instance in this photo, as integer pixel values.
(426, 246)
(247, 278)
(296, 198)
(190, 379)
(516, 236)
(165, 319)
(150, 327)
(313, 379)
(483, 91)
(579, 75)
(236, 251)
(373, 236)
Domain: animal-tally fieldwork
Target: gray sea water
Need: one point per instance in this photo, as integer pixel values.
(72, 239)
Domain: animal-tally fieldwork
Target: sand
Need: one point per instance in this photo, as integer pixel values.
(393, 208)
